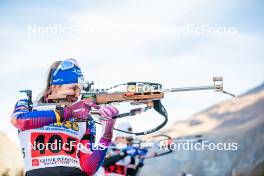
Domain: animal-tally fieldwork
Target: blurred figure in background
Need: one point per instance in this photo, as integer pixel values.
(122, 157)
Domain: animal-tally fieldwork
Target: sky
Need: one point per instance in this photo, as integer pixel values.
(176, 43)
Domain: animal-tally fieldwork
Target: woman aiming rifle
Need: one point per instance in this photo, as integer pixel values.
(50, 140)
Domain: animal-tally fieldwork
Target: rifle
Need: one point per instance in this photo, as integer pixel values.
(160, 142)
(137, 93)
(160, 145)
(163, 143)
(153, 144)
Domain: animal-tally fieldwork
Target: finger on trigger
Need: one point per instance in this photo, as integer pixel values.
(108, 111)
(113, 110)
(102, 112)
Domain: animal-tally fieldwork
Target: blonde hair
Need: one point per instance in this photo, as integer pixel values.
(42, 96)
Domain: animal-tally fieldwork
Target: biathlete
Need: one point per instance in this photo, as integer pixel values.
(51, 140)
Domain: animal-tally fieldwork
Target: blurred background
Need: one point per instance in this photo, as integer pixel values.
(176, 43)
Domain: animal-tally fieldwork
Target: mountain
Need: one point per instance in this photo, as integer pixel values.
(11, 163)
(256, 89)
(238, 123)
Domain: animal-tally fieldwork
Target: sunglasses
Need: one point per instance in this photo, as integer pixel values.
(65, 65)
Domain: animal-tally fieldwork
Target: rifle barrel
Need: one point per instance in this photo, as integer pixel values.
(182, 89)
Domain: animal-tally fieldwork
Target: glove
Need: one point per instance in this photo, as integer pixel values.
(131, 151)
(107, 112)
(79, 109)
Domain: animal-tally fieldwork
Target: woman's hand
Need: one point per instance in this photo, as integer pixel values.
(79, 109)
(107, 112)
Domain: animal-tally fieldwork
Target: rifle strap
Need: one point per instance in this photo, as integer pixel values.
(132, 112)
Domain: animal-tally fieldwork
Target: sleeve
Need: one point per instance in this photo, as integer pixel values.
(92, 159)
(23, 119)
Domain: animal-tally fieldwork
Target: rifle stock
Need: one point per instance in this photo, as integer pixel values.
(105, 98)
